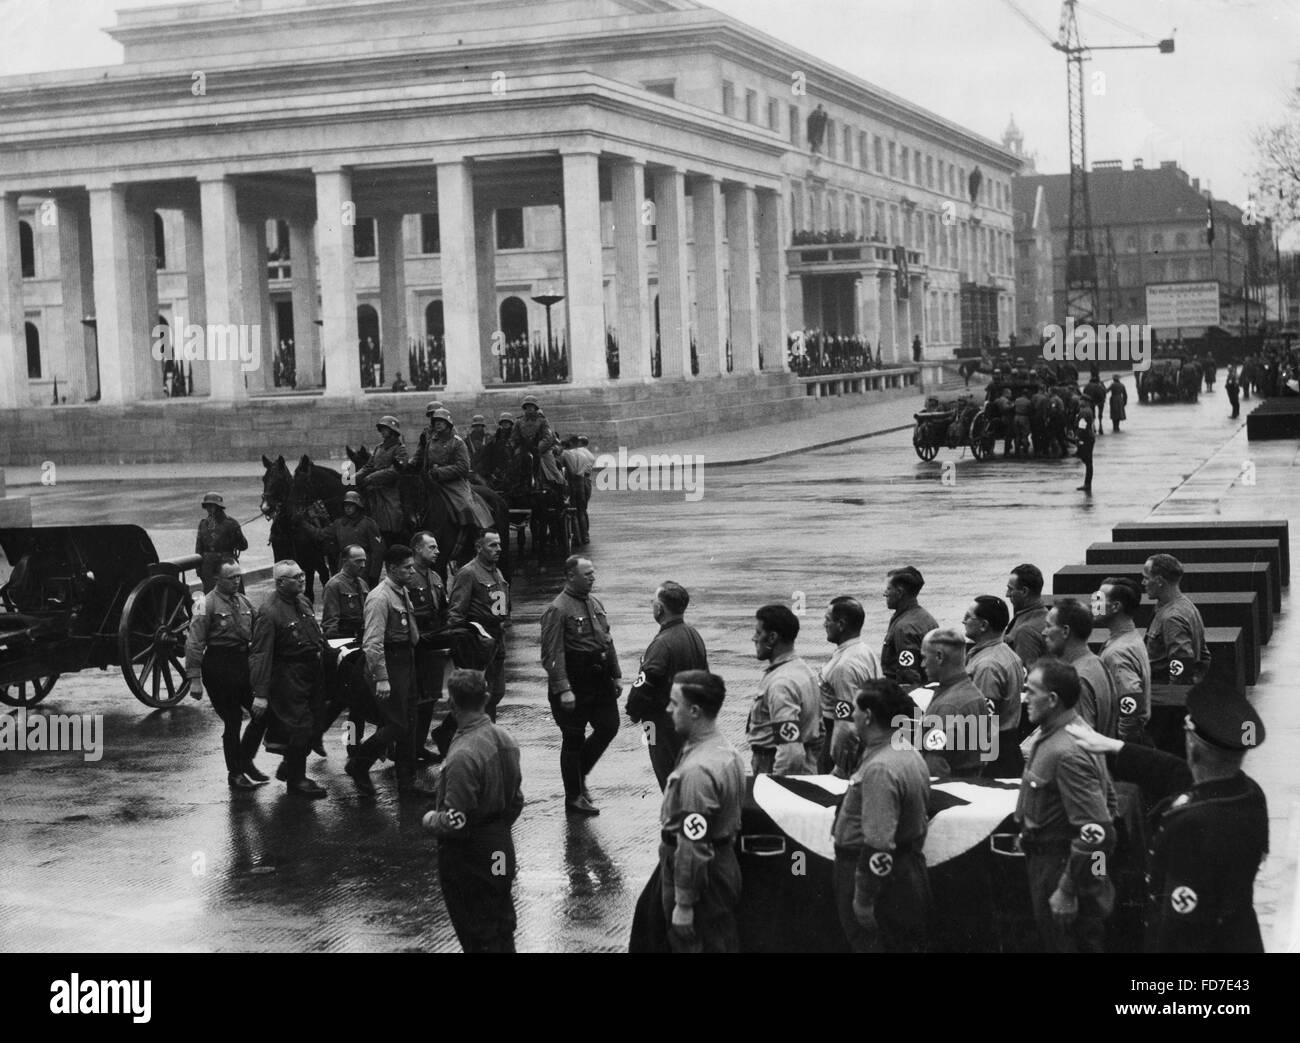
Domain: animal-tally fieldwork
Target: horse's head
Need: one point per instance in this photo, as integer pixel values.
(359, 457)
(277, 485)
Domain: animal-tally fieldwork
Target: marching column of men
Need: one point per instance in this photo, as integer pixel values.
(939, 702)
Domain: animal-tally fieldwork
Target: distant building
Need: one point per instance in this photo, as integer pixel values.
(1035, 303)
(1150, 226)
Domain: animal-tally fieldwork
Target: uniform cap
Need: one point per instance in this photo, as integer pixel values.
(214, 499)
(442, 414)
(353, 497)
(477, 420)
(432, 408)
(506, 417)
(1224, 719)
(390, 422)
(530, 400)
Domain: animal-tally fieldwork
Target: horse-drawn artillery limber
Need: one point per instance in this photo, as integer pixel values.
(1170, 378)
(92, 595)
(953, 425)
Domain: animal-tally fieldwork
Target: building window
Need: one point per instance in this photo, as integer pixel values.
(665, 88)
(434, 325)
(510, 228)
(929, 172)
(728, 98)
(773, 114)
(33, 351)
(893, 160)
(864, 150)
(751, 106)
(916, 167)
(906, 163)
(1131, 243)
(794, 124)
(830, 139)
(894, 231)
(363, 237)
(879, 150)
(1180, 240)
(848, 144)
(27, 247)
(159, 241)
(514, 319)
(880, 229)
(430, 234)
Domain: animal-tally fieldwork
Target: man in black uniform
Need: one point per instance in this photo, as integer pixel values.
(582, 674)
(900, 658)
(1087, 438)
(1233, 389)
(480, 796)
(1208, 830)
(216, 654)
(675, 648)
(285, 670)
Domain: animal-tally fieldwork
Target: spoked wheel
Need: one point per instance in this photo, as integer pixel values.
(981, 438)
(926, 450)
(151, 641)
(27, 693)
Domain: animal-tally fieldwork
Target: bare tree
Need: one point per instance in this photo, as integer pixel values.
(1277, 164)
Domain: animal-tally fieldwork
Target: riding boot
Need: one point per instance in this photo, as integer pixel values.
(571, 774)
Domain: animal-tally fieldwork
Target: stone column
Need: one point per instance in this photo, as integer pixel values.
(196, 298)
(225, 292)
(869, 310)
(302, 269)
(336, 216)
(710, 279)
(489, 313)
(888, 320)
(110, 228)
(744, 290)
(584, 276)
(13, 337)
(459, 276)
(635, 322)
(771, 282)
(252, 243)
(77, 273)
(674, 294)
(392, 296)
(142, 257)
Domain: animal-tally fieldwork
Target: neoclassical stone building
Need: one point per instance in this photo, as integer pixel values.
(412, 173)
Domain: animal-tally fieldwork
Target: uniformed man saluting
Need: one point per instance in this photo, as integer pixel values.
(1208, 830)
(582, 675)
(285, 670)
(784, 727)
(699, 820)
(480, 796)
(900, 658)
(881, 888)
(1066, 812)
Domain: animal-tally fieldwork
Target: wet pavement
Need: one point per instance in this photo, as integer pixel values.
(147, 850)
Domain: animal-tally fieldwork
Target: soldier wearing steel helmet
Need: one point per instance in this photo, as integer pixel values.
(1208, 830)
(355, 526)
(219, 536)
(443, 461)
(497, 452)
(476, 442)
(377, 481)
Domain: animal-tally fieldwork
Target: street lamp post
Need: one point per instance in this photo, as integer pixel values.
(549, 301)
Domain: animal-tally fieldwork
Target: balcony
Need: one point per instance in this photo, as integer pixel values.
(839, 252)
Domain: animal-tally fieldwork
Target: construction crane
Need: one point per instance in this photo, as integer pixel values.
(1080, 251)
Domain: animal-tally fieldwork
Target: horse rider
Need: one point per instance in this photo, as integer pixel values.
(497, 452)
(377, 480)
(218, 537)
(443, 461)
(533, 435)
(477, 442)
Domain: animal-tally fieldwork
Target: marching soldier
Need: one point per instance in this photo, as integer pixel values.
(480, 796)
(216, 654)
(784, 726)
(676, 648)
(389, 641)
(1066, 812)
(219, 537)
(480, 594)
(377, 480)
(429, 597)
(285, 671)
(900, 658)
(882, 891)
(699, 820)
(344, 617)
(1208, 829)
(1176, 637)
(582, 676)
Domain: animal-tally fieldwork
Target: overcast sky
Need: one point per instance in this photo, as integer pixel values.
(973, 61)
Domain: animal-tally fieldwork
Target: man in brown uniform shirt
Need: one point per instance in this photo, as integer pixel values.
(1176, 637)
